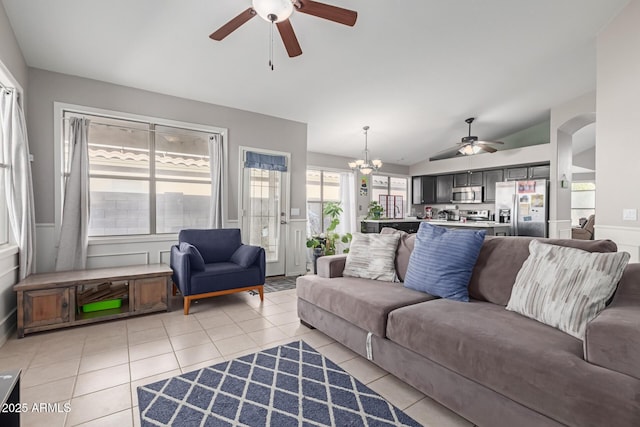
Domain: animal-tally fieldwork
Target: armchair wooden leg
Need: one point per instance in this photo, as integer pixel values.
(261, 292)
(175, 290)
(187, 303)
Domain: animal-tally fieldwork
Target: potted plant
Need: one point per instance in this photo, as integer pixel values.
(375, 210)
(325, 243)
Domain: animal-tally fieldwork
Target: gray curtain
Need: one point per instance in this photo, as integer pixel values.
(216, 163)
(18, 180)
(72, 245)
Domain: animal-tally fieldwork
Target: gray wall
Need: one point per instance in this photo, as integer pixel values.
(245, 129)
(10, 53)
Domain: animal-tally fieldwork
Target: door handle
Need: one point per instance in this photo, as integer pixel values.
(282, 222)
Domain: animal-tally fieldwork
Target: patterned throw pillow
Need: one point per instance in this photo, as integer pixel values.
(372, 256)
(442, 261)
(565, 287)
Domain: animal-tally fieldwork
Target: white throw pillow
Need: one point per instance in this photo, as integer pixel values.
(372, 256)
(565, 287)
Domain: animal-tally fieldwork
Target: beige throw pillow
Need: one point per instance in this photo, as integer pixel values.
(565, 287)
(372, 256)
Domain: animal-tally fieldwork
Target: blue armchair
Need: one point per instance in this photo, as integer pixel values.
(208, 263)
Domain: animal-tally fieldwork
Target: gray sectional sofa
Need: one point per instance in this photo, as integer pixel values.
(492, 366)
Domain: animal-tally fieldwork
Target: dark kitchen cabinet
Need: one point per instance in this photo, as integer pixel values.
(540, 172)
(461, 179)
(476, 178)
(376, 227)
(528, 172)
(444, 186)
(515, 174)
(424, 190)
(489, 180)
(467, 179)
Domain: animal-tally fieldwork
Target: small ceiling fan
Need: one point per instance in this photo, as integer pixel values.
(468, 145)
(278, 12)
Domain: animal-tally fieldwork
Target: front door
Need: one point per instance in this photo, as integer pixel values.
(263, 213)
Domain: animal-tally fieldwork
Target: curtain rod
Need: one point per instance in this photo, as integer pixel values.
(92, 123)
(8, 89)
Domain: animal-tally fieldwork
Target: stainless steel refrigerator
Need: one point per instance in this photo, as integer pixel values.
(524, 205)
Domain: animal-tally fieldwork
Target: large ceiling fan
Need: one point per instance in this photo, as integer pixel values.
(467, 146)
(278, 12)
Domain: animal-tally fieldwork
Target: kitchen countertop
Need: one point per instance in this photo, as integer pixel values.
(470, 224)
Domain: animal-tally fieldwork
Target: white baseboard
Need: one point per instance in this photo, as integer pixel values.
(627, 238)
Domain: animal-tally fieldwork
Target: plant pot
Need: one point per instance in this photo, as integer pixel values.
(317, 253)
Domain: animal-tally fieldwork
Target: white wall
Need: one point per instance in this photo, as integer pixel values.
(618, 91)
(244, 129)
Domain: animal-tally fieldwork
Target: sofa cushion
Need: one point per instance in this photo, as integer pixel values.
(245, 255)
(196, 262)
(403, 253)
(442, 261)
(565, 287)
(533, 364)
(501, 258)
(215, 245)
(372, 256)
(221, 276)
(363, 302)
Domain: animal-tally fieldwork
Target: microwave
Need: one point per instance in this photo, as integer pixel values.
(467, 195)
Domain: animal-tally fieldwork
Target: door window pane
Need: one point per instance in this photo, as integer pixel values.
(118, 207)
(181, 205)
(264, 211)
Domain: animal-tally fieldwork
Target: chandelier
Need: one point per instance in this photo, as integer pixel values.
(365, 166)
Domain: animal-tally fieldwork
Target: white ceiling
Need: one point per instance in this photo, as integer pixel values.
(413, 70)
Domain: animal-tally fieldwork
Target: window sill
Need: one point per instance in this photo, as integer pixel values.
(137, 238)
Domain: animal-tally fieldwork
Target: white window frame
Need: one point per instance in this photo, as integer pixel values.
(60, 108)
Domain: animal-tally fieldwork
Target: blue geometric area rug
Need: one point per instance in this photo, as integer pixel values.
(288, 385)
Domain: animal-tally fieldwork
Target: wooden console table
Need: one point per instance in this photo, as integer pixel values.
(50, 301)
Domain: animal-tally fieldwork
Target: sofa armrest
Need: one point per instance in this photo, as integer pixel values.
(181, 266)
(331, 265)
(612, 339)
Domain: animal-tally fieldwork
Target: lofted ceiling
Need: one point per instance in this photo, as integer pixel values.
(413, 70)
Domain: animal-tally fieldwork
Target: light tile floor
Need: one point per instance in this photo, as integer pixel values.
(97, 368)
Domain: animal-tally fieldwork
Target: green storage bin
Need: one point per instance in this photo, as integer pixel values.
(102, 305)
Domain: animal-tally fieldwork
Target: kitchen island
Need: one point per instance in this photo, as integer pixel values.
(411, 225)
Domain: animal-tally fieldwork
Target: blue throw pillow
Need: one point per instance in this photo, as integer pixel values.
(195, 257)
(245, 255)
(442, 261)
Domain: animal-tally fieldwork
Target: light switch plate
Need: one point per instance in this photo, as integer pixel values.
(629, 214)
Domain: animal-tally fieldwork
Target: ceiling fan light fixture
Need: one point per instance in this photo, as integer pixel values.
(273, 10)
(470, 149)
(365, 166)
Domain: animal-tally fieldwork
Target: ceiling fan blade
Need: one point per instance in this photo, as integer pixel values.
(233, 25)
(446, 154)
(289, 38)
(326, 11)
(490, 142)
(485, 147)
